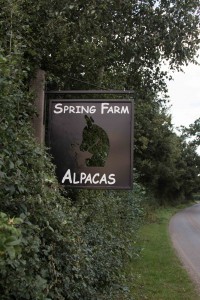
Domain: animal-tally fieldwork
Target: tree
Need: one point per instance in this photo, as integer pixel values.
(191, 158)
(193, 132)
(115, 43)
(118, 44)
(68, 248)
(191, 165)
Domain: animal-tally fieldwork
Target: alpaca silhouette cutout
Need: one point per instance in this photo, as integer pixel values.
(95, 141)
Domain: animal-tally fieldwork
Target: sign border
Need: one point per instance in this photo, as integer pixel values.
(50, 104)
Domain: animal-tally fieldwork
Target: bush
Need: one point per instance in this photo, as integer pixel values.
(62, 248)
(10, 237)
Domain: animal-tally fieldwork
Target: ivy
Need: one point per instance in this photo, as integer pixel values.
(54, 247)
(10, 237)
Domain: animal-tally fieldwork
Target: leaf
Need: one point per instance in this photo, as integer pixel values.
(11, 165)
(11, 252)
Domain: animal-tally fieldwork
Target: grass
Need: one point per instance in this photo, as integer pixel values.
(159, 274)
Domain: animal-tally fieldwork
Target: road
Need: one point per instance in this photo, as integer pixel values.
(184, 229)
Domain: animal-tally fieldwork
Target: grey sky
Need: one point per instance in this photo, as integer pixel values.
(184, 92)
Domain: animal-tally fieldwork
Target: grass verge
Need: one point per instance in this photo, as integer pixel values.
(159, 274)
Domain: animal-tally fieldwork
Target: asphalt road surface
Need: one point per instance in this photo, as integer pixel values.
(184, 230)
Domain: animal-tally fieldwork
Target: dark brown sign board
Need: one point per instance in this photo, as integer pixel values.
(91, 142)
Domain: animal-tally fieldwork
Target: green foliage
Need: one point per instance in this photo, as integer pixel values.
(10, 237)
(63, 249)
(77, 248)
(193, 131)
(168, 164)
(117, 44)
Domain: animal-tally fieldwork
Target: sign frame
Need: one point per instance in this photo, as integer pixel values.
(111, 101)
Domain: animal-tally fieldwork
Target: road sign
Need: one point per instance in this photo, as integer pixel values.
(91, 142)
